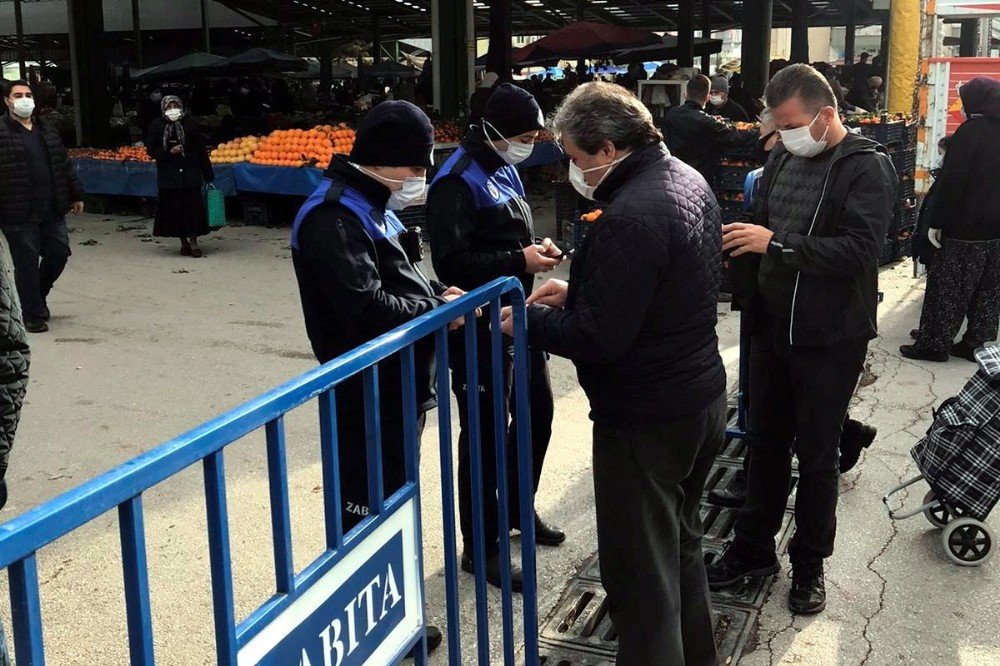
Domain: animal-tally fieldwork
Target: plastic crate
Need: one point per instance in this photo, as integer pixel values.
(732, 178)
(413, 216)
(889, 252)
(256, 210)
(907, 186)
(911, 135)
(886, 133)
(905, 215)
(904, 247)
(905, 161)
(731, 210)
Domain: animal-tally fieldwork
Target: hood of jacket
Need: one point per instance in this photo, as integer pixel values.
(981, 97)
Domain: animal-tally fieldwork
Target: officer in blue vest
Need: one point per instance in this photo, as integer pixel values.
(481, 229)
(358, 274)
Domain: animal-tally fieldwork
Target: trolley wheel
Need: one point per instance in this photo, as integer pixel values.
(939, 515)
(968, 542)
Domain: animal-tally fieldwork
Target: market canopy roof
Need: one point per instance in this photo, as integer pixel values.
(412, 18)
(261, 60)
(186, 65)
(584, 39)
(666, 50)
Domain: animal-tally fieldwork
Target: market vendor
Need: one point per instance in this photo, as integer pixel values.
(481, 229)
(722, 106)
(358, 275)
(696, 137)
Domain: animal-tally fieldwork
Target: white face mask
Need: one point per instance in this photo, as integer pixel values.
(412, 191)
(24, 107)
(579, 183)
(799, 141)
(716, 100)
(515, 153)
(173, 115)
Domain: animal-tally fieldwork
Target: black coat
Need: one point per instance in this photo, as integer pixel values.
(639, 321)
(700, 139)
(730, 111)
(176, 172)
(354, 289)
(15, 202)
(966, 203)
(14, 358)
(471, 247)
(836, 288)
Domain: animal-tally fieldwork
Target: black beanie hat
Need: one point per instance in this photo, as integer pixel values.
(394, 134)
(513, 111)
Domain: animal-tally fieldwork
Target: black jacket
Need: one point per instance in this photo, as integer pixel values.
(175, 172)
(14, 358)
(639, 321)
(700, 139)
(730, 111)
(471, 247)
(354, 289)
(966, 198)
(836, 288)
(15, 202)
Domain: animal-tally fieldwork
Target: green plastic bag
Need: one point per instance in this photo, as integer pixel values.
(215, 203)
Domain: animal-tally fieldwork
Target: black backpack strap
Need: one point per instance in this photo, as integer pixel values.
(460, 165)
(334, 193)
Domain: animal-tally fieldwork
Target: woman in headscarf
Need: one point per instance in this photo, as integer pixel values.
(182, 169)
(964, 280)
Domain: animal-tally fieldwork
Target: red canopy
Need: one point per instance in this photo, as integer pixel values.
(585, 39)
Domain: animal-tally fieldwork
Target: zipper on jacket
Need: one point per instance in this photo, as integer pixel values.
(798, 274)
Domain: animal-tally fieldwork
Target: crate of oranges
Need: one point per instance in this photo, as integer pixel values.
(294, 148)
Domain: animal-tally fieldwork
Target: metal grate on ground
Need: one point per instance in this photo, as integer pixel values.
(579, 631)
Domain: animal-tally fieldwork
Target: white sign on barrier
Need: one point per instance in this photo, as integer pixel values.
(364, 610)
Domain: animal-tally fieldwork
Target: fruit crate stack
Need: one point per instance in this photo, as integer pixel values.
(728, 186)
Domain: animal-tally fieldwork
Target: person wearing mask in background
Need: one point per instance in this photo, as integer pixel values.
(359, 277)
(964, 222)
(721, 105)
(477, 103)
(808, 268)
(696, 137)
(182, 169)
(37, 188)
(638, 319)
(481, 229)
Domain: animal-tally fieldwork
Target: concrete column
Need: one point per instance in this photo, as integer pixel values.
(685, 33)
(376, 39)
(205, 28)
(453, 42)
(850, 33)
(800, 31)
(137, 33)
(498, 57)
(86, 48)
(325, 68)
(706, 32)
(904, 56)
(756, 50)
(19, 27)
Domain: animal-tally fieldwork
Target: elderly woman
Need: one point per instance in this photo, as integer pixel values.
(638, 318)
(182, 169)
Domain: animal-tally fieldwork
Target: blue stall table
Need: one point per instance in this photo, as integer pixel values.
(135, 179)
(259, 179)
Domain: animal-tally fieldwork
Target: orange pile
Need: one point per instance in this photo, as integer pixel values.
(341, 136)
(124, 154)
(294, 148)
(237, 150)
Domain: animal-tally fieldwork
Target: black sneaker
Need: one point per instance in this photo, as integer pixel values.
(35, 325)
(918, 353)
(545, 534)
(856, 436)
(729, 569)
(733, 495)
(914, 333)
(808, 593)
(964, 350)
(493, 570)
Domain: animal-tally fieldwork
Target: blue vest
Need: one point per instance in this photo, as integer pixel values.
(379, 224)
(488, 191)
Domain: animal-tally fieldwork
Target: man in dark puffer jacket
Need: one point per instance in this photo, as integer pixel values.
(14, 358)
(638, 320)
(37, 189)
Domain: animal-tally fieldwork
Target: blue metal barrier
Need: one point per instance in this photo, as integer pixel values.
(266, 634)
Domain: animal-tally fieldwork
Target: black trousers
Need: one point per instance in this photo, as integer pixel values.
(40, 250)
(799, 398)
(353, 457)
(648, 482)
(540, 395)
(964, 281)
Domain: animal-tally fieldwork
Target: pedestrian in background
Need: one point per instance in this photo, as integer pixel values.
(964, 280)
(182, 170)
(722, 105)
(37, 189)
(807, 266)
(637, 319)
(481, 229)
